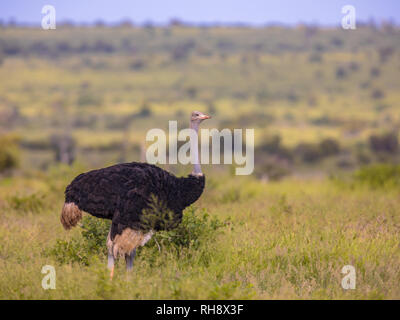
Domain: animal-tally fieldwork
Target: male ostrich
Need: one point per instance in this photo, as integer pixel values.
(123, 192)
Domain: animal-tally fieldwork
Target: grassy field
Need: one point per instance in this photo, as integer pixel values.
(287, 239)
(324, 102)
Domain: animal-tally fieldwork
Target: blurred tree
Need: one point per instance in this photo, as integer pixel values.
(375, 72)
(377, 94)
(272, 146)
(9, 152)
(387, 143)
(176, 22)
(385, 53)
(272, 168)
(191, 92)
(137, 65)
(354, 66)
(329, 147)
(341, 72)
(64, 147)
(308, 152)
(145, 111)
(337, 42)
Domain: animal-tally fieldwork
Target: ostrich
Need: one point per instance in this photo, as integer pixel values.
(123, 192)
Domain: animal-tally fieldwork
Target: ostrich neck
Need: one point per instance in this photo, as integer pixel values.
(195, 149)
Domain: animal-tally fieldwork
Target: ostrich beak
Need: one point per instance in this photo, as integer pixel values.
(204, 117)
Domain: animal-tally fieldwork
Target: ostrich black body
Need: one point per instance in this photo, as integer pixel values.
(123, 192)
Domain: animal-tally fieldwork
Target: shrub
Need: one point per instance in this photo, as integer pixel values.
(329, 147)
(64, 146)
(341, 73)
(273, 146)
(375, 72)
(27, 203)
(345, 162)
(363, 156)
(337, 42)
(137, 65)
(325, 121)
(308, 152)
(273, 169)
(384, 143)
(195, 230)
(145, 111)
(385, 53)
(182, 51)
(313, 152)
(377, 94)
(9, 153)
(95, 232)
(84, 247)
(69, 251)
(88, 99)
(379, 175)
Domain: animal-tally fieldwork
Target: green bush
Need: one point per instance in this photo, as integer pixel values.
(83, 248)
(27, 203)
(70, 251)
(9, 153)
(195, 230)
(379, 175)
(94, 232)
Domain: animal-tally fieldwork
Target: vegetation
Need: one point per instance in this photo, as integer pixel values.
(287, 239)
(304, 85)
(9, 153)
(194, 231)
(379, 176)
(323, 102)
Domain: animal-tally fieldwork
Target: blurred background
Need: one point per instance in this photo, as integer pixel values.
(322, 100)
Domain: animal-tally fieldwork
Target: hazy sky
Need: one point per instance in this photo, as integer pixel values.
(201, 11)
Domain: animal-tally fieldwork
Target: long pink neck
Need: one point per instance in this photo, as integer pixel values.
(194, 148)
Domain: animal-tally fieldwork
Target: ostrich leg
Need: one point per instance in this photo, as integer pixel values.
(129, 260)
(110, 264)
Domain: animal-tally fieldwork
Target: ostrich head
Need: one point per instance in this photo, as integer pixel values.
(197, 117)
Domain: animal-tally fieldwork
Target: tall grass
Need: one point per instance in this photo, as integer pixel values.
(287, 239)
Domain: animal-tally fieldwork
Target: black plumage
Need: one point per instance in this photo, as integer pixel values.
(123, 192)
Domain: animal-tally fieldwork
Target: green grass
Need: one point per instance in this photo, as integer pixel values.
(287, 239)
